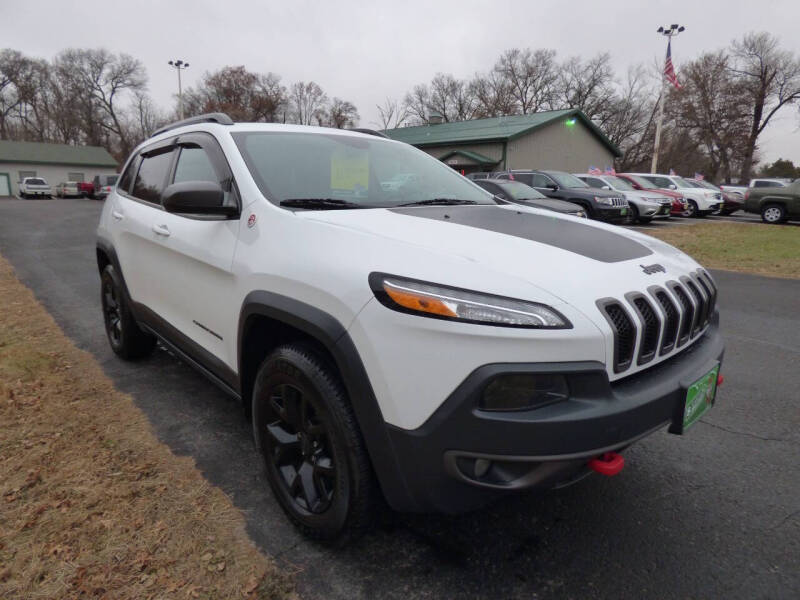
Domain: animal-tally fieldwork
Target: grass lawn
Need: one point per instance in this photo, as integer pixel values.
(92, 505)
(772, 250)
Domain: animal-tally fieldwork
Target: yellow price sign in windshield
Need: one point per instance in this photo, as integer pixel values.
(350, 171)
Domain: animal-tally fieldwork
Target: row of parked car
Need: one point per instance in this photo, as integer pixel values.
(611, 197)
(37, 187)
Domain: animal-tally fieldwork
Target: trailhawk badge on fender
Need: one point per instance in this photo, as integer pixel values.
(251, 220)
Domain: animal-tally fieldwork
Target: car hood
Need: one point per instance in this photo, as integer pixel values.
(549, 203)
(591, 192)
(493, 248)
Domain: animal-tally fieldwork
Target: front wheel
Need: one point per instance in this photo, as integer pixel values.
(127, 339)
(691, 209)
(773, 214)
(315, 458)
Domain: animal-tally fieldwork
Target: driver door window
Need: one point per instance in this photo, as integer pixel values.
(540, 181)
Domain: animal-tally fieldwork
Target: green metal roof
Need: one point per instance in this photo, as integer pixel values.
(55, 154)
(496, 129)
(474, 156)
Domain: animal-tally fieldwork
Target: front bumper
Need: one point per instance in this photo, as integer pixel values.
(546, 447)
(612, 214)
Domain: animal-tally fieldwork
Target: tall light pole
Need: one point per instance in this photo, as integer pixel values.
(179, 65)
(670, 32)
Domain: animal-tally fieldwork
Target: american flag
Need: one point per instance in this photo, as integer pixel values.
(699, 176)
(594, 171)
(610, 171)
(669, 69)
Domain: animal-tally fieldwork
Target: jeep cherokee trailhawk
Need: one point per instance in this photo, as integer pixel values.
(415, 341)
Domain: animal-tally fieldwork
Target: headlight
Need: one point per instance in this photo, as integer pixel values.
(603, 200)
(454, 304)
(710, 194)
(582, 214)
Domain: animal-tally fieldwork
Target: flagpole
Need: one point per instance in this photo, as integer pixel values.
(669, 32)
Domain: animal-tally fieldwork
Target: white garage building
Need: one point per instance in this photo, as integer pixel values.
(55, 163)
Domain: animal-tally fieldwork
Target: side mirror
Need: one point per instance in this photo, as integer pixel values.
(672, 186)
(196, 198)
(606, 187)
(552, 186)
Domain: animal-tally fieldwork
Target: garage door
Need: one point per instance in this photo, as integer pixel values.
(5, 185)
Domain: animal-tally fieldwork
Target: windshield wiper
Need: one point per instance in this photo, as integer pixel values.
(320, 203)
(439, 202)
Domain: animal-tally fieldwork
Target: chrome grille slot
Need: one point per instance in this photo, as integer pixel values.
(651, 328)
(688, 314)
(624, 333)
(700, 301)
(673, 319)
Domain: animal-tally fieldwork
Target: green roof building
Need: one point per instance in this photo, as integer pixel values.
(55, 163)
(558, 139)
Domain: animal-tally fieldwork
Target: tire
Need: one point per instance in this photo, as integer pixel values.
(23, 195)
(691, 210)
(773, 214)
(314, 454)
(127, 339)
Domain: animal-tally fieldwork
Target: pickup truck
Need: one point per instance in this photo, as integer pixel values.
(754, 183)
(86, 188)
(774, 204)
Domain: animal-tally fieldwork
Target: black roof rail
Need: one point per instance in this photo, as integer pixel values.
(217, 117)
(370, 132)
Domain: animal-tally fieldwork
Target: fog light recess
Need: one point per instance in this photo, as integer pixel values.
(523, 391)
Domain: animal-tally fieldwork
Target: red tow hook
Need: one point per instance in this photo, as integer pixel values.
(720, 380)
(609, 464)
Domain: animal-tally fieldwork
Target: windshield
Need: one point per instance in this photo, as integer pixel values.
(519, 191)
(642, 182)
(618, 183)
(566, 180)
(304, 169)
(35, 181)
(706, 184)
(682, 183)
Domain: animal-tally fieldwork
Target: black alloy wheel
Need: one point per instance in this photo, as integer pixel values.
(126, 338)
(298, 444)
(314, 454)
(111, 311)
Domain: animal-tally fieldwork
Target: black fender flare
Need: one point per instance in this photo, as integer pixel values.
(328, 331)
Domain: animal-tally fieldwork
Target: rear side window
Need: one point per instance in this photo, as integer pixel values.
(152, 176)
(767, 184)
(127, 176)
(526, 178)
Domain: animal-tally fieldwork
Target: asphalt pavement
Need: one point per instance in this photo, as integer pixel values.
(714, 513)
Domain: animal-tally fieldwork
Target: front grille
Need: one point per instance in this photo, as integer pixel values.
(664, 321)
(619, 202)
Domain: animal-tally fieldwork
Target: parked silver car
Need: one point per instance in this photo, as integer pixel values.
(646, 205)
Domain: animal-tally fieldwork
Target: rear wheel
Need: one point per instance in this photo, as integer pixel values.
(773, 214)
(126, 338)
(315, 459)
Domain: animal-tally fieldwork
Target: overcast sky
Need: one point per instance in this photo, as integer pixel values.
(366, 51)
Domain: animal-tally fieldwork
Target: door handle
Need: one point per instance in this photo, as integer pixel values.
(161, 230)
(117, 215)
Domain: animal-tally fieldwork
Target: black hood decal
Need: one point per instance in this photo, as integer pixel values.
(573, 236)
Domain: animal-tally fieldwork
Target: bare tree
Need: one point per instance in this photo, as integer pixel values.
(340, 114)
(493, 95)
(242, 94)
(770, 80)
(588, 86)
(392, 114)
(532, 76)
(306, 102)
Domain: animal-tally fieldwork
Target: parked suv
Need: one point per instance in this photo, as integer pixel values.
(598, 204)
(701, 201)
(774, 204)
(422, 343)
(517, 192)
(644, 206)
(34, 187)
(103, 185)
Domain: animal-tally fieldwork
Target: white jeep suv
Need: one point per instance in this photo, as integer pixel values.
(420, 342)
